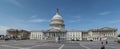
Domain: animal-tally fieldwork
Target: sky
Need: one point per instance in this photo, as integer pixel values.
(77, 14)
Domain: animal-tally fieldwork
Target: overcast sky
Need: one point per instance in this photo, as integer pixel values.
(77, 14)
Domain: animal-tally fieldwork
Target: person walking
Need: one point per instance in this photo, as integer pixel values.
(102, 42)
(106, 42)
(103, 46)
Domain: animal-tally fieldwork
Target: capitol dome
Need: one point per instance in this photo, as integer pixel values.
(57, 22)
(57, 16)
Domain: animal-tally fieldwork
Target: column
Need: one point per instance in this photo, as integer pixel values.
(48, 34)
(52, 34)
(55, 34)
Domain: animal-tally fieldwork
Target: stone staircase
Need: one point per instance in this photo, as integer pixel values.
(51, 38)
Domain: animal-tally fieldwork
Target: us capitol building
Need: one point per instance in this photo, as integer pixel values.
(57, 31)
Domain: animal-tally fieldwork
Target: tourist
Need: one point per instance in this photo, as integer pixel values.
(102, 42)
(102, 47)
(106, 42)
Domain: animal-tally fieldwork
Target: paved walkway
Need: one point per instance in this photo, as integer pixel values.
(36, 44)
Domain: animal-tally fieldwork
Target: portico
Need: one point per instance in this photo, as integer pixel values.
(54, 34)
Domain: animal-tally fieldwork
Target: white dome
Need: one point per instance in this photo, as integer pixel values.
(57, 16)
(57, 22)
(57, 19)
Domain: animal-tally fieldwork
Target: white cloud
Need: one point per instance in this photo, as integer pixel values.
(38, 20)
(34, 16)
(77, 19)
(105, 13)
(3, 29)
(14, 2)
(115, 21)
(72, 21)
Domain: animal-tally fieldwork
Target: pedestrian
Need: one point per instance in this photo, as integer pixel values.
(102, 42)
(106, 42)
(102, 47)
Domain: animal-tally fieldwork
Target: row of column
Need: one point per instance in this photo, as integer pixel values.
(56, 34)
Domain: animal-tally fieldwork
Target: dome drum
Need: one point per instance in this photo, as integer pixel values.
(57, 20)
(57, 25)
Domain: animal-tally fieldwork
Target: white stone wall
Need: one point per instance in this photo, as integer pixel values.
(86, 35)
(79, 35)
(97, 35)
(36, 35)
(76, 35)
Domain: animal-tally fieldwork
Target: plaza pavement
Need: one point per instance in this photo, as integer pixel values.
(38, 44)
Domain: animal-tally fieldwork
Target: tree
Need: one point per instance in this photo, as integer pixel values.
(119, 35)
